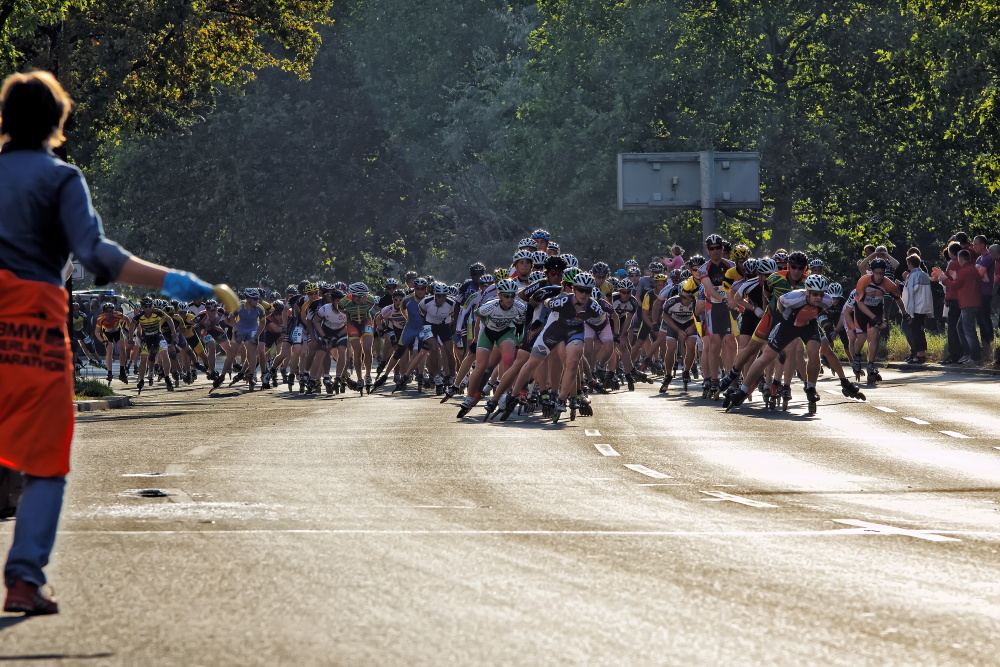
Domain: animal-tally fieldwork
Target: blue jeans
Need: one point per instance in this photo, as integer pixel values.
(967, 329)
(35, 529)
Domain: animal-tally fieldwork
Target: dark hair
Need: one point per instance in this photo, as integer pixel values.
(954, 247)
(33, 108)
(913, 261)
(914, 250)
(961, 237)
(965, 254)
(980, 239)
(868, 249)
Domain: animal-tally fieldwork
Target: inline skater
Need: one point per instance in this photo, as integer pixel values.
(869, 316)
(108, 330)
(796, 313)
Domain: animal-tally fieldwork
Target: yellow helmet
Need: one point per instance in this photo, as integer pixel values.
(690, 287)
(311, 287)
(660, 276)
(740, 252)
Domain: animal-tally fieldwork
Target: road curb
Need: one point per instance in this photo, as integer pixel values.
(109, 403)
(902, 366)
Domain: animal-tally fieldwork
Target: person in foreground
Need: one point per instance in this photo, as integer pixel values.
(45, 215)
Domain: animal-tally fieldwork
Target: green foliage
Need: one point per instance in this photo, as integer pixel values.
(435, 133)
(86, 389)
(152, 65)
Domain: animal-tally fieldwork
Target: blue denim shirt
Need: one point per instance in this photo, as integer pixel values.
(46, 214)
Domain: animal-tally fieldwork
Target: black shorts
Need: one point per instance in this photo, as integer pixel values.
(644, 331)
(332, 339)
(270, 338)
(113, 336)
(716, 320)
(528, 339)
(442, 331)
(748, 323)
(861, 321)
(786, 332)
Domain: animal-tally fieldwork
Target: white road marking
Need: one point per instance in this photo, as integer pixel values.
(178, 496)
(722, 496)
(956, 435)
(592, 432)
(879, 407)
(882, 529)
(665, 484)
(201, 451)
(643, 470)
(607, 450)
(921, 422)
(937, 535)
(176, 469)
(445, 507)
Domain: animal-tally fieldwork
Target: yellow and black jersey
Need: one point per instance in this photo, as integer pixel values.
(184, 323)
(150, 323)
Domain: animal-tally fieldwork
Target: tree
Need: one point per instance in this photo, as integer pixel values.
(151, 65)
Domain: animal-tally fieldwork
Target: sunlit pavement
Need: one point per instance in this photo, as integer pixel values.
(279, 528)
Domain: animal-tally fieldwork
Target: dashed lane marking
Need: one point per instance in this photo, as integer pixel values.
(722, 496)
(879, 407)
(643, 470)
(921, 422)
(592, 432)
(665, 484)
(869, 529)
(607, 450)
(955, 434)
(881, 529)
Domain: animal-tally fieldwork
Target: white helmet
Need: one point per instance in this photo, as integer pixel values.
(527, 243)
(571, 261)
(357, 288)
(523, 254)
(440, 288)
(507, 286)
(816, 283)
(766, 266)
(835, 290)
(584, 279)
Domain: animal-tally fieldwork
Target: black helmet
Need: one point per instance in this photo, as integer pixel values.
(600, 269)
(146, 301)
(410, 275)
(878, 264)
(555, 263)
(400, 293)
(106, 305)
(713, 239)
(477, 270)
(798, 258)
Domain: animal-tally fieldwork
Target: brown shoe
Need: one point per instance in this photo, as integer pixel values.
(29, 599)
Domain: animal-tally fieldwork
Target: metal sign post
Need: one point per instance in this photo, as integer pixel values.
(703, 181)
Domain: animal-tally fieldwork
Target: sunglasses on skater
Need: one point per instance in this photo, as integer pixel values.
(800, 267)
(715, 247)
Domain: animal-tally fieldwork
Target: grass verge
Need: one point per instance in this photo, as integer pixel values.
(89, 389)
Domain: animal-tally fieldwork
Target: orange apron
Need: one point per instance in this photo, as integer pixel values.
(36, 377)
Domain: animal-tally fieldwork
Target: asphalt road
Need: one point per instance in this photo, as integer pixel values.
(381, 530)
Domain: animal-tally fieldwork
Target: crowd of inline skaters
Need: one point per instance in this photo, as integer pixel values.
(539, 335)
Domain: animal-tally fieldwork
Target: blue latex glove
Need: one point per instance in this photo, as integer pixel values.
(185, 286)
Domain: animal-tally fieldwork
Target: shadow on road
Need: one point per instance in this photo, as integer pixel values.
(54, 656)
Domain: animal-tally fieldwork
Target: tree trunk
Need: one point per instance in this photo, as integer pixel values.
(781, 221)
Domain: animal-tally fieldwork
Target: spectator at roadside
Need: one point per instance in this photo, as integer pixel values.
(919, 303)
(986, 266)
(963, 283)
(952, 311)
(676, 260)
(880, 252)
(994, 251)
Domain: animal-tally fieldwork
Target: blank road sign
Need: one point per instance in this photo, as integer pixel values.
(673, 181)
